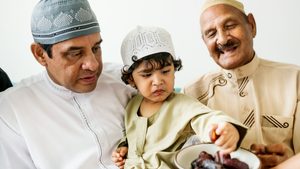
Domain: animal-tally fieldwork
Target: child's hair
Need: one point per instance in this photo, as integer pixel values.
(155, 61)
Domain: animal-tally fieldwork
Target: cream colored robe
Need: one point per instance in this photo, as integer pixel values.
(154, 141)
(263, 95)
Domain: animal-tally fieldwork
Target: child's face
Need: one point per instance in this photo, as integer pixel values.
(154, 84)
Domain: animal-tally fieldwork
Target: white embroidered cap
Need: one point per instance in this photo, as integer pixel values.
(144, 41)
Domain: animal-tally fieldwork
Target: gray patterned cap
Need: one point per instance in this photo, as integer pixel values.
(54, 21)
(144, 41)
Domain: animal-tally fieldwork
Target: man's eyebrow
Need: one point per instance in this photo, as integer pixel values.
(98, 43)
(74, 48)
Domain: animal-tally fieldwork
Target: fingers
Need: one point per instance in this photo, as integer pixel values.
(118, 156)
(269, 160)
(123, 151)
(270, 155)
(120, 164)
(228, 146)
(279, 149)
(228, 137)
(115, 156)
(118, 160)
(258, 148)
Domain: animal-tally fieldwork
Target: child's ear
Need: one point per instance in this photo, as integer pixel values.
(131, 82)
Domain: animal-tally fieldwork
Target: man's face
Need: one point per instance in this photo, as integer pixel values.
(228, 35)
(76, 63)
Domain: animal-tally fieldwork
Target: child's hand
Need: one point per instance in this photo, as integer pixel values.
(118, 156)
(226, 136)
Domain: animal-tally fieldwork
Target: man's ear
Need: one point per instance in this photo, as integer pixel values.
(39, 53)
(252, 22)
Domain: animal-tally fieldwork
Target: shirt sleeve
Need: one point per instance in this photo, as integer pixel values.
(201, 124)
(13, 151)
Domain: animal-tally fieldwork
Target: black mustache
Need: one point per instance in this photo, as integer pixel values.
(228, 45)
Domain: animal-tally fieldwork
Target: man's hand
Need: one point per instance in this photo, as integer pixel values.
(270, 155)
(119, 156)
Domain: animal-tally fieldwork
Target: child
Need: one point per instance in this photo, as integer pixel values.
(158, 120)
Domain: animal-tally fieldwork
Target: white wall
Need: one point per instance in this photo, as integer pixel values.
(278, 27)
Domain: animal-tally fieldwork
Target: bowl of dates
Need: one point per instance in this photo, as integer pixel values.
(207, 156)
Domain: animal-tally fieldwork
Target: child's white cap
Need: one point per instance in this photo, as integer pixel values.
(144, 41)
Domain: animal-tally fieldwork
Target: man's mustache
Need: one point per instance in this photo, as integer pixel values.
(229, 45)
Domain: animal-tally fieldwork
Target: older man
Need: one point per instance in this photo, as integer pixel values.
(264, 95)
(71, 115)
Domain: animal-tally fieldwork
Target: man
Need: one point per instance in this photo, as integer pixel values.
(262, 94)
(4, 81)
(70, 116)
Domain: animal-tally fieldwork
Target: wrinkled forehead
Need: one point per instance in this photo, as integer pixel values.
(219, 13)
(82, 42)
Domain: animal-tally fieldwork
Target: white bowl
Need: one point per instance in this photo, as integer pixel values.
(184, 157)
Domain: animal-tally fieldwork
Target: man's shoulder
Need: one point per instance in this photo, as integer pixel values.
(24, 84)
(110, 79)
(203, 81)
(276, 65)
(113, 70)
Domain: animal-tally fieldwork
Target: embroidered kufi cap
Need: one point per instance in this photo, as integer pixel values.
(54, 21)
(210, 3)
(144, 41)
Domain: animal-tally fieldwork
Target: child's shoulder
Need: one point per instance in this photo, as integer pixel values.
(183, 98)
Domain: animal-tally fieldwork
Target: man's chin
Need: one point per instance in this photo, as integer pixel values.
(228, 64)
(85, 88)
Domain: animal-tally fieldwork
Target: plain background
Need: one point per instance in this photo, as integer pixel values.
(278, 32)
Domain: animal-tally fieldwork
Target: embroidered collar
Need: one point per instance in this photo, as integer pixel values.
(243, 71)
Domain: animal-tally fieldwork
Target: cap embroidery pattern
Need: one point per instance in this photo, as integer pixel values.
(145, 41)
(83, 15)
(58, 20)
(62, 20)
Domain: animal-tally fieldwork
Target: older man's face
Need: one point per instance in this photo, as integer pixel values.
(76, 63)
(228, 35)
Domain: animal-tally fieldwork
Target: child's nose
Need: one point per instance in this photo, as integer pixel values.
(157, 80)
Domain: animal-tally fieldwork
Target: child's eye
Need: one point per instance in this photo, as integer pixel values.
(165, 71)
(146, 75)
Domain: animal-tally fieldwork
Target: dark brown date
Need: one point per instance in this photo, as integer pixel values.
(235, 164)
(207, 161)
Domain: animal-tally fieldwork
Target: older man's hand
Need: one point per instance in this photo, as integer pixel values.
(270, 155)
